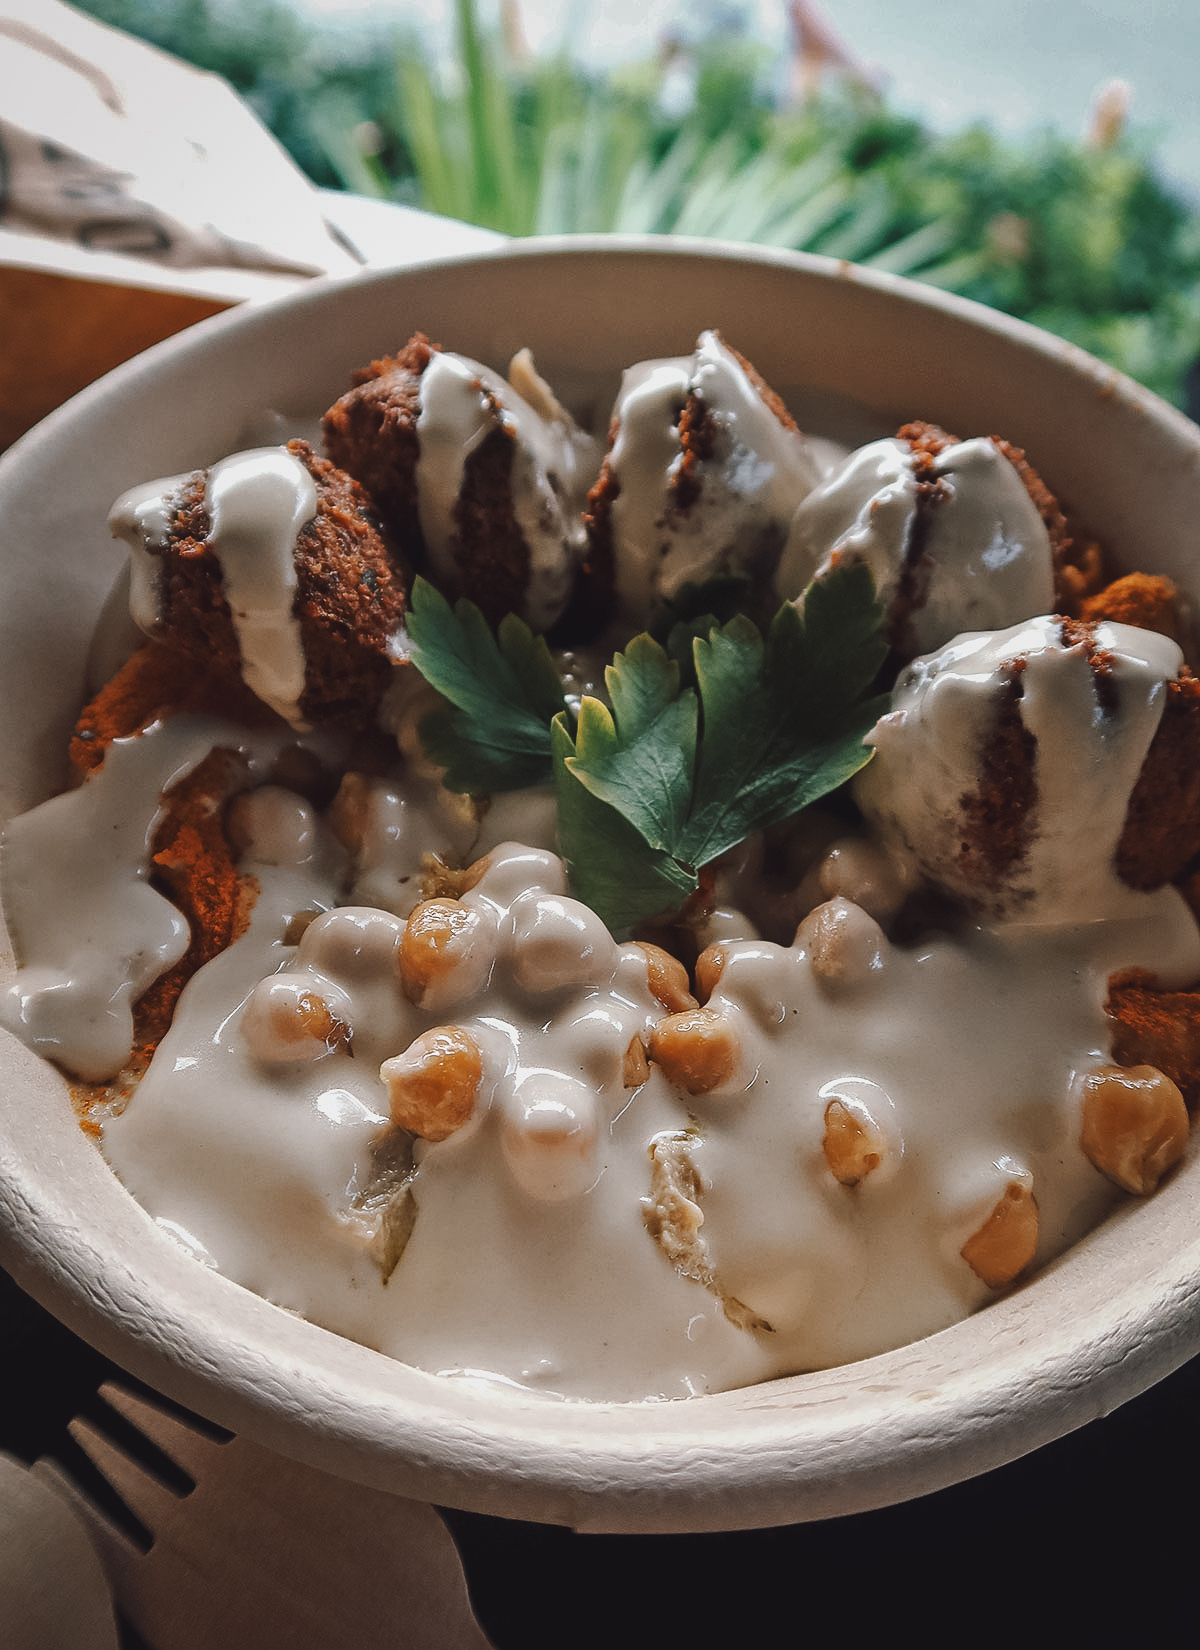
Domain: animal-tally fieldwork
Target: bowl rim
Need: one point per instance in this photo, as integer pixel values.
(897, 1425)
(1109, 380)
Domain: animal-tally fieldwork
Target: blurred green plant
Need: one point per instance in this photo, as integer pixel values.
(1083, 238)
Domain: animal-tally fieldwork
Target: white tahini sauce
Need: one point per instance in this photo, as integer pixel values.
(985, 553)
(528, 1259)
(258, 503)
(750, 488)
(525, 1249)
(553, 464)
(89, 931)
(965, 1056)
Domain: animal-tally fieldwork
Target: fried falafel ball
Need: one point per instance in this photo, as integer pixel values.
(960, 535)
(704, 470)
(1042, 772)
(481, 481)
(272, 566)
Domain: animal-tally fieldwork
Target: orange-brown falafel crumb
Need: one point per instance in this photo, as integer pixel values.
(1162, 823)
(927, 440)
(155, 682)
(193, 865)
(1142, 599)
(1153, 1027)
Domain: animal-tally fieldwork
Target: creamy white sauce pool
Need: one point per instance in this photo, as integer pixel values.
(530, 1258)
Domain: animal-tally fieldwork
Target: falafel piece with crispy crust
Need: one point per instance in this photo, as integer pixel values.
(481, 487)
(348, 602)
(1070, 559)
(1146, 600)
(371, 433)
(1162, 824)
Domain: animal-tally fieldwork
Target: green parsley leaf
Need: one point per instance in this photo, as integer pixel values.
(676, 776)
(610, 865)
(504, 692)
(784, 723)
(680, 644)
(719, 598)
(640, 756)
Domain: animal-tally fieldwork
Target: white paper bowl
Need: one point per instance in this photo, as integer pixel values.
(1107, 1320)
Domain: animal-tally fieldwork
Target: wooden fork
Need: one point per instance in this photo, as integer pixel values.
(262, 1553)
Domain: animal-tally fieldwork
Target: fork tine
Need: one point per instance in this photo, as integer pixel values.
(186, 1445)
(147, 1497)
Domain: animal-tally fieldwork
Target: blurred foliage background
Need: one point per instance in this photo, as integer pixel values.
(715, 137)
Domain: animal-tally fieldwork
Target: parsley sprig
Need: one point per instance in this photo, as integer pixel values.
(772, 725)
(707, 740)
(503, 690)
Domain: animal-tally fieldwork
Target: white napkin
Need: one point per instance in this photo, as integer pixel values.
(117, 147)
(53, 1595)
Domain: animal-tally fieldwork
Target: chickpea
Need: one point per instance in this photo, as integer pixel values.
(548, 1134)
(1004, 1245)
(852, 1143)
(272, 826)
(290, 1018)
(514, 870)
(559, 942)
(446, 953)
(845, 946)
(353, 942)
(697, 1050)
(1135, 1125)
(861, 872)
(636, 1068)
(710, 965)
(433, 1087)
(667, 978)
